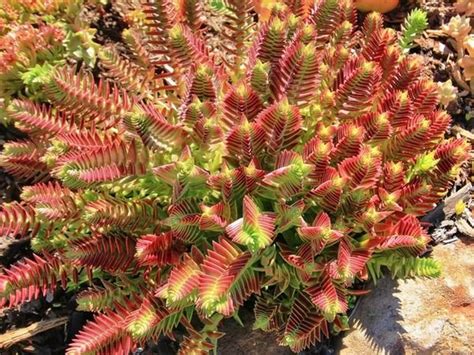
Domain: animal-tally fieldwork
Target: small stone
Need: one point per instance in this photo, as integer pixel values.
(49, 296)
(417, 334)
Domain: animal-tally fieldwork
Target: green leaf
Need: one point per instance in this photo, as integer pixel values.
(36, 77)
(255, 229)
(424, 164)
(414, 25)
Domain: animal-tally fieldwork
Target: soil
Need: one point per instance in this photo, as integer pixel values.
(438, 53)
(244, 340)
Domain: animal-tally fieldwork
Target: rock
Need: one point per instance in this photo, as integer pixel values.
(375, 322)
(419, 316)
(416, 335)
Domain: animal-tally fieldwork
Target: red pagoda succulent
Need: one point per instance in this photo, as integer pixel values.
(291, 165)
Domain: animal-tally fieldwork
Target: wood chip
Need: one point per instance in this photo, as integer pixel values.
(14, 336)
(436, 33)
(463, 132)
(465, 228)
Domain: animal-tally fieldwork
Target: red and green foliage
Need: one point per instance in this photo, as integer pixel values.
(292, 166)
(26, 49)
(37, 36)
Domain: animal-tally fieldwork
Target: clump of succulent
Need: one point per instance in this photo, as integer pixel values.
(35, 37)
(459, 28)
(467, 61)
(288, 169)
(415, 23)
(447, 92)
(22, 11)
(27, 52)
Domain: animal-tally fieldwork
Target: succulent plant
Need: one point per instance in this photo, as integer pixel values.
(447, 92)
(467, 61)
(35, 37)
(459, 28)
(25, 50)
(415, 23)
(288, 169)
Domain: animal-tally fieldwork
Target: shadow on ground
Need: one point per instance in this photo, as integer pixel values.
(377, 318)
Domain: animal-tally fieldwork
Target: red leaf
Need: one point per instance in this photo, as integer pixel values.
(327, 297)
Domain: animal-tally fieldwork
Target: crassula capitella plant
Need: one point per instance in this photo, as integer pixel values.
(288, 167)
(35, 37)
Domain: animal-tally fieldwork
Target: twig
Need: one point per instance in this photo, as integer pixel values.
(436, 33)
(463, 132)
(456, 74)
(14, 336)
